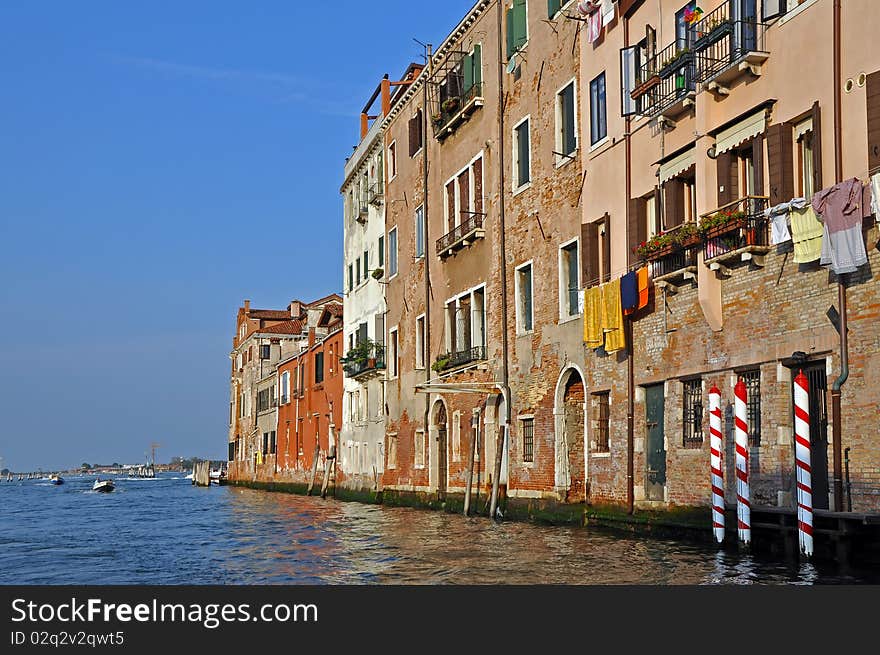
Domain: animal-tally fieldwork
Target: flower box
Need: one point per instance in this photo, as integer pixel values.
(645, 86)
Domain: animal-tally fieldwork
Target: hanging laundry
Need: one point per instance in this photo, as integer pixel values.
(607, 11)
(867, 201)
(807, 234)
(839, 206)
(642, 276)
(875, 195)
(612, 316)
(594, 27)
(778, 216)
(593, 336)
(629, 292)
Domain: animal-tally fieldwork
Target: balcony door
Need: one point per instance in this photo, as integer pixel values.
(745, 34)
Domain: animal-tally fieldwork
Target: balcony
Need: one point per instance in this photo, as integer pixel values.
(665, 83)
(456, 90)
(672, 255)
(362, 211)
(364, 361)
(726, 48)
(462, 236)
(376, 194)
(735, 232)
(458, 358)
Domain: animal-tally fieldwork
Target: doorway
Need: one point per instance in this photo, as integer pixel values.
(655, 443)
(440, 423)
(818, 396)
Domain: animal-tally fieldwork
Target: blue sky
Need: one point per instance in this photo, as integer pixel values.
(159, 163)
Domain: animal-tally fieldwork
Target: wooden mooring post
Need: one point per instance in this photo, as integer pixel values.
(314, 468)
(475, 433)
(330, 465)
(202, 474)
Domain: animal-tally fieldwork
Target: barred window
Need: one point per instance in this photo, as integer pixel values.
(752, 381)
(692, 420)
(601, 421)
(528, 437)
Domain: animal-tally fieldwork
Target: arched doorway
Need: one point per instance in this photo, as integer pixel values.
(569, 420)
(440, 423)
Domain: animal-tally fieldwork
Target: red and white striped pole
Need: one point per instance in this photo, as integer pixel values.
(743, 507)
(715, 448)
(802, 458)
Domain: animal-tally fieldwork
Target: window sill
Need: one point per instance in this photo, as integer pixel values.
(601, 455)
(416, 153)
(691, 449)
(570, 319)
(601, 143)
(527, 465)
(525, 333)
(523, 187)
(796, 11)
(419, 467)
(564, 160)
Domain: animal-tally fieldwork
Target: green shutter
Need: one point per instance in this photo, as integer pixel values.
(511, 48)
(553, 6)
(519, 23)
(569, 120)
(467, 69)
(477, 60)
(381, 252)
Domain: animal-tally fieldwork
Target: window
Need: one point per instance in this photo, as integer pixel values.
(682, 30)
(517, 27)
(392, 451)
(524, 308)
(752, 381)
(392, 252)
(598, 118)
(566, 124)
(357, 268)
(527, 427)
(464, 194)
(319, 368)
(569, 280)
(456, 436)
(419, 449)
(806, 162)
(392, 353)
(596, 244)
(420, 341)
(420, 232)
(285, 387)
(601, 421)
(692, 419)
(392, 160)
(350, 277)
(265, 351)
(466, 326)
(264, 401)
(521, 154)
(366, 265)
(415, 133)
(381, 251)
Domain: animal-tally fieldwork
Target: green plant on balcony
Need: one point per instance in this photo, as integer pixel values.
(364, 353)
(437, 120)
(378, 273)
(440, 363)
(449, 105)
(715, 223)
(665, 242)
(674, 61)
(687, 234)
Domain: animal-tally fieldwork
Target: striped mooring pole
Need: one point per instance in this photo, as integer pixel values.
(743, 508)
(715, 449)
(802, 457)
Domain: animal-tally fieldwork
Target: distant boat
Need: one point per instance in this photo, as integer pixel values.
(103, 486)
(190, 475)
(216, 476)
(56, 479)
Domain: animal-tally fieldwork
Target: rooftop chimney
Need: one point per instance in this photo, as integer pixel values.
(295, 308)
(247, 305)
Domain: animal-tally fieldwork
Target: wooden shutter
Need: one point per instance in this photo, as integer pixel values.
(477, 63)
(728, 177)
(508, 20)
(758, 162)
(872, 98)
(638, 227)
(478, 185)
(570, 126)
(519, 23)
(467, 70)
(412, 136)
(553, 7)
(606, 250)
(780, 163)
(589, 254)
(817, 147)
(673, 197)
(450, 205)
(464, 195)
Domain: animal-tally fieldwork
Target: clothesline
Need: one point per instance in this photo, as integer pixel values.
(620, 272)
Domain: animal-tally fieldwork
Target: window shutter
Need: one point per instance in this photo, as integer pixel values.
(467, 68)
(627, 80)
(638, 226)
(606, 250)
(589, 254)
(450, 205)
(725, 191)
(570, 127)
(381, 252)
(673, 192)
(511, 48)
(872, 98)
(477, 62)
(553, 7)
(413, 135)
(758, 161)
(780, 163)
(380, 328)
(772, 9)
(464, 195)
(478, 185)
(523, 153)
(519, 23)
(817, 147)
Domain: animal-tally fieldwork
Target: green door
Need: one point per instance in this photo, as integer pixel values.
(655, 448)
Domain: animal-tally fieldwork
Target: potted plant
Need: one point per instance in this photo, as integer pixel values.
(378, 273)
(721, 222)
(437, 119)
(449, 105)
(711, 31)
(440, 363)
(656, 247)
(687, 234)
(674, 62)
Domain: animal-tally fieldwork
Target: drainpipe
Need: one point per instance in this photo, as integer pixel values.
(837, 423)
(630, 375)
(427, 340)
(502, 432)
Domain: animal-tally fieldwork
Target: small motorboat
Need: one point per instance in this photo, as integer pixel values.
(103, 486)
(56, 480)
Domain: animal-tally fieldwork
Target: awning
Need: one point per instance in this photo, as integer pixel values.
(742, 131)
(678, 164)
(802, 128)
(458, 387)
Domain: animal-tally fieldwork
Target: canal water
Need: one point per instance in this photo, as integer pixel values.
(165, 531)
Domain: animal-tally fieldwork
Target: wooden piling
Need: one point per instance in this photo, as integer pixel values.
(328, 466)
(470, 469)
(314, 468)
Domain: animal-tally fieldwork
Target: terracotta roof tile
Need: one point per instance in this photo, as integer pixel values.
(270, 314)
(286, 327)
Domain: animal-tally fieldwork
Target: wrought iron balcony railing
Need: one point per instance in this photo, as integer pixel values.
(361, 367)
(458, 358)
(722, 40)
(463, 234)
(735, 228)
(665, 79)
